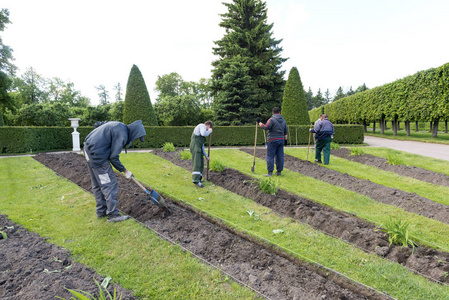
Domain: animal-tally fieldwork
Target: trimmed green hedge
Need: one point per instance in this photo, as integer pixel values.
(38, 139)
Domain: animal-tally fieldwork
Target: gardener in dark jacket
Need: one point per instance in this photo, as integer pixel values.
(197, 149)
(324, 133)
(101, 149)
(277, 130)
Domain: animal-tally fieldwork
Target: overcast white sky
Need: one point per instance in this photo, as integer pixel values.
(332, 42)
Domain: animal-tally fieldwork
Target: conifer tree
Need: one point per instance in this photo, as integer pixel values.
(247, 44)
(137, 100)
(294, 104)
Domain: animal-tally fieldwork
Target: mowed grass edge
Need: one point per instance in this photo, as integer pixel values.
(135, 257)
(297, 238)
(425, 230)
(434, 192)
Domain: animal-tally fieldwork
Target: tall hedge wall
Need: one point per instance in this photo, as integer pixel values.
(422, 96)
(39, 139)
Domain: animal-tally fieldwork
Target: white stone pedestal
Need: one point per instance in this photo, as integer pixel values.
(75, 134)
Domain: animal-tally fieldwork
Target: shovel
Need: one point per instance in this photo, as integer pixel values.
(208, 155)
(308, 146)
(153, 196)
(265, 137)
(255, 143)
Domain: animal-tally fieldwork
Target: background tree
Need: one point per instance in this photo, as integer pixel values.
(7, 68)
(319, 100)
(327, 97)
(118, 92)
(31, 87)
(137, 100)
(248, 42)
(103, 94)
(294, 104)
(361, 88)
(116, 111)
(339, 94)
(309, 99)
(350, 91)
(178, 101)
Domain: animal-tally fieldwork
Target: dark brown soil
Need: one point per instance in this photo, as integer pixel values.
(429, 262)
(31, 268)
(408, 201)
(269, 271)
(382, 163)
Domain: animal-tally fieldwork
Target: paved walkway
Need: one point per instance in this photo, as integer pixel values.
(426, 149)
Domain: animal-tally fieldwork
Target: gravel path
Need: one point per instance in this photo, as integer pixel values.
(426, 149)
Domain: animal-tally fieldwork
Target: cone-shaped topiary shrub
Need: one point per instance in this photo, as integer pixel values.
(137, 100)
(294, 103)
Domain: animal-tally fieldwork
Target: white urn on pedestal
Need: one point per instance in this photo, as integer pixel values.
(75, 134)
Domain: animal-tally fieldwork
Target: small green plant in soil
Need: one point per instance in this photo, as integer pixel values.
(398, 233)
(185, 154)
(335, 145)
(394, 160)
(168, 147)
(82, 295)
(3, 235)
(357, 151)
(216, 166)
(268, 185)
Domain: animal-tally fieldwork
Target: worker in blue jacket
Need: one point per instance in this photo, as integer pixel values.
(277, 137)
(102, 148)
(324, 132)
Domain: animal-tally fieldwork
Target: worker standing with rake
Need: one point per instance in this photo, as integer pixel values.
(197, 141)
(277, 138)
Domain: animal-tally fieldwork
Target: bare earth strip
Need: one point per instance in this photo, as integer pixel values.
(257, 265)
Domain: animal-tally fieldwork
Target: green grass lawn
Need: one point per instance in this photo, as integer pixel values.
(436, 193)
(428, 231)
(34, 197)
(55, 208)
(297, 238)
(442, 138)
(410, 159)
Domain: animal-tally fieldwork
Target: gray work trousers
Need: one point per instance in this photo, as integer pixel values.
(105, 189)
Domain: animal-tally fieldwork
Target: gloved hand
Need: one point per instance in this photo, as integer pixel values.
(258, 120)
(210, 130)
(128, 174)
(285, 142)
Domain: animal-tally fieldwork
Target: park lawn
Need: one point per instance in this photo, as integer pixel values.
(442, 138)
(410, 159)
(297, 239)
(434, 192)
(427, 231)
(135, 257)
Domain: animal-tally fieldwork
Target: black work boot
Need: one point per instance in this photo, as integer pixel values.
(198, 184)
(278, 173)
(117, 218)
(269, 174)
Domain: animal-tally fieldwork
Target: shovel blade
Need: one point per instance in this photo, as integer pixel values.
(252, 168)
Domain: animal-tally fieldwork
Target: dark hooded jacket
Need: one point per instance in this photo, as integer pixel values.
(276, 126)
(106, 142)
(324, 129)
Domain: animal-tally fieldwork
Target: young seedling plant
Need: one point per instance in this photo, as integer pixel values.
(394, 160)
(82, 295)
(169, 147)
(268, 185)
(356, 151)
(398, 233)
(335, 145)
(185, 155)
(216, 166)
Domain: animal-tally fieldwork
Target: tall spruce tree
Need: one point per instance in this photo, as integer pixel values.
(247, 44)
(294, 104)
(137, 100)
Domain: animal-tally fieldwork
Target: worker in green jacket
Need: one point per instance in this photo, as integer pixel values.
(199, 135)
